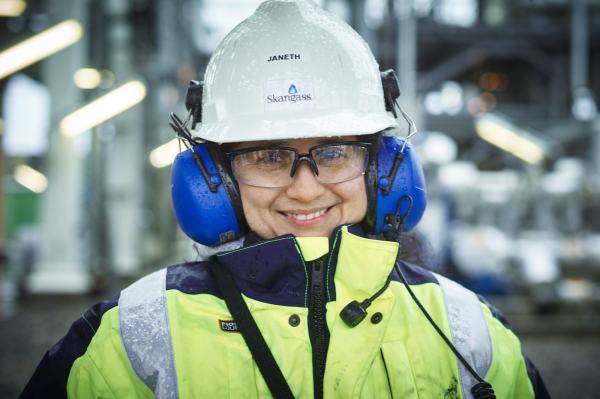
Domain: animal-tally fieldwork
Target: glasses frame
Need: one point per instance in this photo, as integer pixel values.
(306, 156)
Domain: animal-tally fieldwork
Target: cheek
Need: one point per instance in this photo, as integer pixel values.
(354, 196)
(256, 203)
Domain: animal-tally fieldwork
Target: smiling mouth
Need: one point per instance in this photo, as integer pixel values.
(306, 217)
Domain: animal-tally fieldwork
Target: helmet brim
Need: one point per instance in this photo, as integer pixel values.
(331, 125)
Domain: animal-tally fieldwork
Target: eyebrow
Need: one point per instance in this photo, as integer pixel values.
(288, 143)
(263, 143)
(323, 140)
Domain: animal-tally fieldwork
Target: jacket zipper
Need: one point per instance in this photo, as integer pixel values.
(387, 374)
(317, 325)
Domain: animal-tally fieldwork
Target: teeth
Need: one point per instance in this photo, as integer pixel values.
(308, 216)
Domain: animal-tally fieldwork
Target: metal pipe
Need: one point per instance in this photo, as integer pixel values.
(579, 44)
(406, 55)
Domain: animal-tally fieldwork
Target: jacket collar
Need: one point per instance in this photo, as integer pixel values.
(275, 271)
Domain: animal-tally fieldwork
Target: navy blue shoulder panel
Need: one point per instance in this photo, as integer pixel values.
(192, 278)
(413, 274)
(539, 388)
(50, 377)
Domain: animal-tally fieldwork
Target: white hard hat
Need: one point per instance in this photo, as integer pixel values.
(291, 70)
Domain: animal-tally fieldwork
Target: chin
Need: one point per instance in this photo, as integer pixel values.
(313, 232)
(310, 234)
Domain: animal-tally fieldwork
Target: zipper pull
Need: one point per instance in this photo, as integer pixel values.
(317, 274)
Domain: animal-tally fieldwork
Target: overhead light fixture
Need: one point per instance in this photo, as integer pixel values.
(39, 46)
(12, 8)
(103, 108)
(510, 138)
(87, 78)
(30, 178)
(165, 154)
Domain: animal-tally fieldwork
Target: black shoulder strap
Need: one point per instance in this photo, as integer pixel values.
(256, 343)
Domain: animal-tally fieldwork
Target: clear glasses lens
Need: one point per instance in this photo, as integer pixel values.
(271, 167)
(264, 168)
(339, 163)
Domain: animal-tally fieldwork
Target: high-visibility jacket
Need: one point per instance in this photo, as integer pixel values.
(170, 334)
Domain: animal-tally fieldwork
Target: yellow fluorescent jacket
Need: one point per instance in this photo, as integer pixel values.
(171, 335)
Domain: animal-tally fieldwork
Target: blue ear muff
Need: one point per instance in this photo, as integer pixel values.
(205, 198)
(207, 203)
(397, 197)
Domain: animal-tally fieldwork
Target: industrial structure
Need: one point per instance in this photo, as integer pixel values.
(504, 93)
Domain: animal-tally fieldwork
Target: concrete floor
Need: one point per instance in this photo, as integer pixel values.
(567, 357)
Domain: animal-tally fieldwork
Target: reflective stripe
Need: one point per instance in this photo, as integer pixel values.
(470, 332)
(145, 333)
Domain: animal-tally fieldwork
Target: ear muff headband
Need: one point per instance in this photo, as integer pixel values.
(205, 199)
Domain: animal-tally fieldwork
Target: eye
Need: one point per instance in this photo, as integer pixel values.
(268, 156)
(331, 155)
(271, 158)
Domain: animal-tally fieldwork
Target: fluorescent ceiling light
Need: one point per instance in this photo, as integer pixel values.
(504, 135)
(25, 132)
(103, 108)
(165, 154)
(12, 8)
(39, 46)
(87, 78)
(31, 178)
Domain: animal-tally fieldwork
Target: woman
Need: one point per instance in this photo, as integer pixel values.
(295, 168)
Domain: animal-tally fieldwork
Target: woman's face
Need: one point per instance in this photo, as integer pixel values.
(304, 208)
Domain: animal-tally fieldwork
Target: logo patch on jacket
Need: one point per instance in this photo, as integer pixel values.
(228, 325)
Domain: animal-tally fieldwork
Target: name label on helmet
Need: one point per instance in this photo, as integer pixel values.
(288, 94)
(283, 57)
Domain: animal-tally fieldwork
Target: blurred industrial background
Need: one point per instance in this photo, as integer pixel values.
(504, 92)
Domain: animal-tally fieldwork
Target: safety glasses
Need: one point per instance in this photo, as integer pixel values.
(275, 166)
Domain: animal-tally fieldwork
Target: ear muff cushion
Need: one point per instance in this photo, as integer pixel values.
(223, 166)
(371, 184)
(408, 182)
(208, 218)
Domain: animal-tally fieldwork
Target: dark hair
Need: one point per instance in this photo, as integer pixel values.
(415, 248)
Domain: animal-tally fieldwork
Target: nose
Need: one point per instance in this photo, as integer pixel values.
(305, 187)
(304, 158)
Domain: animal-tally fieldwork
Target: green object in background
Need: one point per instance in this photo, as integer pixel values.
(22, 208)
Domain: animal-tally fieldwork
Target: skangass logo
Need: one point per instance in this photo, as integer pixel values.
(294, 95)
